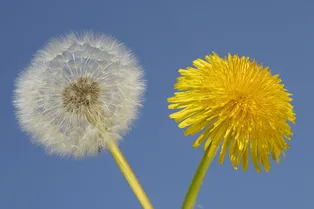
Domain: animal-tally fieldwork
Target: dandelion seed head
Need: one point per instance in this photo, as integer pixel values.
(73, 83)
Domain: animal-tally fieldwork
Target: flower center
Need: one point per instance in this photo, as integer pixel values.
(241, 100)
(81, 95)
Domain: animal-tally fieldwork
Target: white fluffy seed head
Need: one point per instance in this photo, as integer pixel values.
(74, 84)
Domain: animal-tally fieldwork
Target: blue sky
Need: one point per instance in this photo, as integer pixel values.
(166, 36)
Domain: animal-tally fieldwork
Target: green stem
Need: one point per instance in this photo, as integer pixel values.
(195, 186)
(129, 175)
(128, 172)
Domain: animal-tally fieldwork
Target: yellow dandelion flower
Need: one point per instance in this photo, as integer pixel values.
(239, 105)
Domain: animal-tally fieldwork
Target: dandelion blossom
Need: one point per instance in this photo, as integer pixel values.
(71, 81)
(237, 104)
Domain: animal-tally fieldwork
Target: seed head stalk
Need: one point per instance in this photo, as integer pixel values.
(129, 174)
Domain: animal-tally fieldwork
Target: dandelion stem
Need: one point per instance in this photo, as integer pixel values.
(129, 175)
(196, 183)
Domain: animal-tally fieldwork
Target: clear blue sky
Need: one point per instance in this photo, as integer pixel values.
(166, 35)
